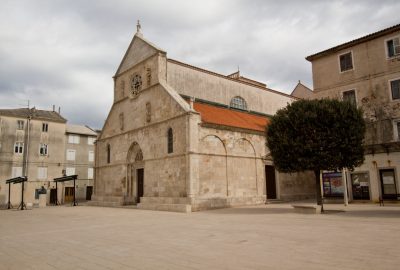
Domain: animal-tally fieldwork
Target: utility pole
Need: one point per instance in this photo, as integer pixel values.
(26, 151)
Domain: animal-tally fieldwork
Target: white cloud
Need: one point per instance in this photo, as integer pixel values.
(65, 52)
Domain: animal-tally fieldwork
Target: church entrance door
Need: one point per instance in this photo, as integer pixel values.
(270, 182)
(140, 184)
(135, 174)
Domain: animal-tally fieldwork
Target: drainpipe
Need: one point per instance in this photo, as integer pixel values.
(344, 177)
(26, 156)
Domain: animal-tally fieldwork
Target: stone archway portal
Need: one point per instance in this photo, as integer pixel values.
(135, 177)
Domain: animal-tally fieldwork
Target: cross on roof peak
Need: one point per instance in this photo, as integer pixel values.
(138, 27)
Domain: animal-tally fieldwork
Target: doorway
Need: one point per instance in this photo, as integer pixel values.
(388, 184)
(89, 192)
(270, 181)
(360, 186)
(69, 194)
(53, 196)
(140, 184)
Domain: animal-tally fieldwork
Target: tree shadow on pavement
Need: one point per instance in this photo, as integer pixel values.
(381, 213)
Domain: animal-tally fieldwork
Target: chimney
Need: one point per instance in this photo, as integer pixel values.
(59, 110)
(191, 102)
(54, 108)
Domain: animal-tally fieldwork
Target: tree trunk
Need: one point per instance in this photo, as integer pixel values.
(318, 189)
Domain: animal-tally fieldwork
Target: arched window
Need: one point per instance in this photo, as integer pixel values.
(170, 141)
(108, 153)
(238, 103)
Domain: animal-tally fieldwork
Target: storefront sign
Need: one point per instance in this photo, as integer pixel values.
(333, 184)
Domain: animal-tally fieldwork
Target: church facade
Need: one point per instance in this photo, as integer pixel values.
(181, 138)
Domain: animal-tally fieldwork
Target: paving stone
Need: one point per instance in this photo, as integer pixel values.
(264, 237)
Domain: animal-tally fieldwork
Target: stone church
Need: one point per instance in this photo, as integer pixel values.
(182, 138)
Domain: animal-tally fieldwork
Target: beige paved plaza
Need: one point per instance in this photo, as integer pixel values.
(267, 237)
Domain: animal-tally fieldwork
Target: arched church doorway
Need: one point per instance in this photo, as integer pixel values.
(135, 177)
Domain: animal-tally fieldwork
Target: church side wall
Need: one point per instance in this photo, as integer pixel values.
(230, 168)
(202, 85)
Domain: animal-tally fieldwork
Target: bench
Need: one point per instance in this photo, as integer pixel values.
(307, 208)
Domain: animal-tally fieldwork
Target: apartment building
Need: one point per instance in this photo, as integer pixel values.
(366, 72)
(32, 144)
(40, 145)
(79, 160)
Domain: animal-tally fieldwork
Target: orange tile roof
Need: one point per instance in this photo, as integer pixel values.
(232, 118)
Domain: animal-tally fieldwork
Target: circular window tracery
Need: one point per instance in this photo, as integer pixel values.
(136, 84)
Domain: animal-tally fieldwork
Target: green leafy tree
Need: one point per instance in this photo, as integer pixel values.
(316, 135)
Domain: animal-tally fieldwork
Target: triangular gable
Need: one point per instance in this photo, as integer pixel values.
(139, 49)
(301, 91)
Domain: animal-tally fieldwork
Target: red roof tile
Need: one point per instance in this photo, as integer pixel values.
(232, 118)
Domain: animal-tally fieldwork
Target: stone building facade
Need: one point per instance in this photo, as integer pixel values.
(182, 138)
(35, 143)
(79, 160)
(32, 144)
(366, 71)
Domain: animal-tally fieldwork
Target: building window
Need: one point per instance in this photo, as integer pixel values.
(73, 139)
(91, 156)
(108, 153)
(39, 191)
(42, 173)
(20, 124)
(170, 141)
(238, 103)
(16, 172)
(91, 140)
(393, 47)
(121, 121)
(43, 148)
(395, 89)
(90, 173)
(18, 147)
(396, 130)
(70, 171)
(45, 127)
(37, 194)
(71, 154)
(350, 96)
(148, 112)
(360, 186)
(346, 62)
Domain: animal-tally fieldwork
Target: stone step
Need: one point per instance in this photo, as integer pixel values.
(274, 201)
(182, 208)
(104, 203)
(108, 199)
(165, 200)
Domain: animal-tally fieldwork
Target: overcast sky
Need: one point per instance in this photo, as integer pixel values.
(66, 52)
